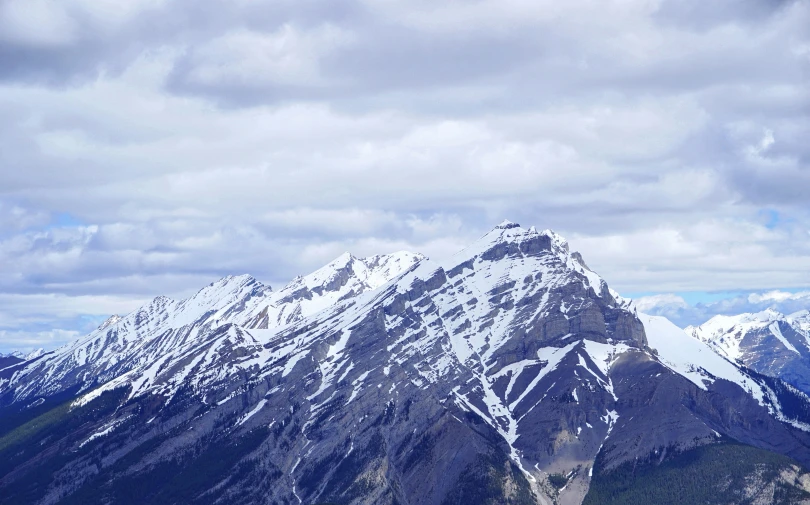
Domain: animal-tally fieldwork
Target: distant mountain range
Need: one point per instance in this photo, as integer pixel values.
(771, 343)
(510, 373)
(12, 358)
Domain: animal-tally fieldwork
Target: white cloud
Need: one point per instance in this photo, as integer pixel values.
(777, 296)
(20, 309)
(25, 342)
(705, 255)
(649, 303)
(268, 139)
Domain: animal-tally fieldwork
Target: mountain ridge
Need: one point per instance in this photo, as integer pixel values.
(487, 373)
(769, 342)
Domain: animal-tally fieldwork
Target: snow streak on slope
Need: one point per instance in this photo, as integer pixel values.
(698, 362)
(505, 285)
(774, 327)
(800, 321)
(692, 358)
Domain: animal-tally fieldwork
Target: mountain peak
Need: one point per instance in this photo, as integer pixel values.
(113, 319)
(34, 354)
(732, 336)
(769, 314)
(722, 323)
(235, 280)
(20, 355)
(510, 239)
(230, 285)
(374, 270)
(507, 224)
(344, 258)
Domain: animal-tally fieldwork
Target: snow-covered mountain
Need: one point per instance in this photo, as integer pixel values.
(166, 332)
(768, 342)
(509, 373)
(800, 321)
(24, 355)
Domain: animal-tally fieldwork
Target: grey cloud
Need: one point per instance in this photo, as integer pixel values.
(28, 341)
(636, 131)
(107, 41)
(170, 257)
(704, 15)
(529, 65)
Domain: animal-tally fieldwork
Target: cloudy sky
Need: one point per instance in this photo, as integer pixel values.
(151, 146)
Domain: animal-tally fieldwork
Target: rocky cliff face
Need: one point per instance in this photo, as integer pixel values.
(499, 376)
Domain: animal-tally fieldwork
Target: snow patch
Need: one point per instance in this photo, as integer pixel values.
(252, 413)
(692, 358)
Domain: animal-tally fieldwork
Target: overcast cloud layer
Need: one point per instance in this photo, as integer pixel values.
(151, 146)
